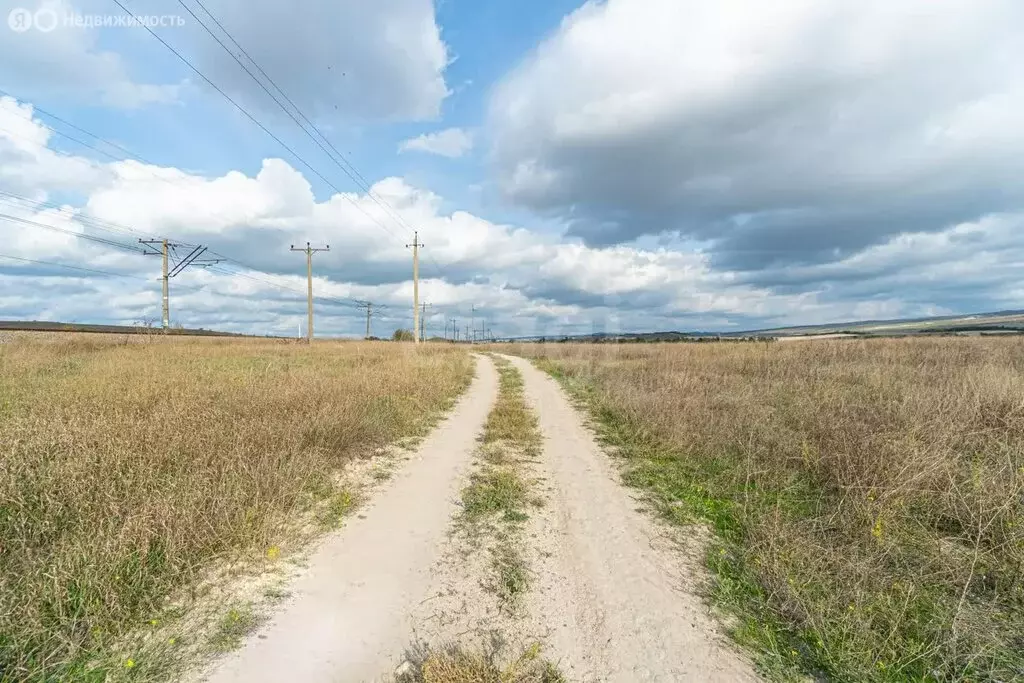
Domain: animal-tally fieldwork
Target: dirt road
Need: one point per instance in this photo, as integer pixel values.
(630, 606)
(349, 617)
(611, 599)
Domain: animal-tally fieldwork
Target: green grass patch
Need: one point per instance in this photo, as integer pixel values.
(233, 627)
(511, 420)
(512, 576)
(338, 506)
(494, 491)
(498, 495)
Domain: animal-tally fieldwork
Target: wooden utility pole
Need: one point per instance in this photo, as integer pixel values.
(167, 250)
(415, 285)
(309, 250)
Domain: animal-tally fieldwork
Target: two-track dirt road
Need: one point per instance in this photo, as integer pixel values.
(611, 599)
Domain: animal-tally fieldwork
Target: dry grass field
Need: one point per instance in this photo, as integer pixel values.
(866, 498)
(129, 464)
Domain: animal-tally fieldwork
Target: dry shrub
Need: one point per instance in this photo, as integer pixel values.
(127, 465)
(868, 495)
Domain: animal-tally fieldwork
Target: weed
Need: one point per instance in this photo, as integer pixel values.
(511, 572)
(237, 623)
(511, 420)
(455, 664)
(494, 490)
(333, 513)
(498, 492)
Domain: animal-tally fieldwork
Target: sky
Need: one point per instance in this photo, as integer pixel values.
(624, 165)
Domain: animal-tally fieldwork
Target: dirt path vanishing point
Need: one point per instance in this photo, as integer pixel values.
(610, 599)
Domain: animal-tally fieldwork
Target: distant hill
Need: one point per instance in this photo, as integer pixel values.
(1001, 322)
(45, 326)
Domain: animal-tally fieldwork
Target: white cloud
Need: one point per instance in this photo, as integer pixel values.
(69, 62)
(29, 165)
(526, 281)
(347, 59)
(451, 143)
(781, 132)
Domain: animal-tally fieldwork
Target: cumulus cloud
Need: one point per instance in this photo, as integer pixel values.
(69, 62)
(522, 281)
(790, 132)
(335, 59)
(29, 165)
(451, 143)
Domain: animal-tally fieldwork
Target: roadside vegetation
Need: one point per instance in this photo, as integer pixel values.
(865, 498)
(496, 502)
(131, 468)
(454, 664)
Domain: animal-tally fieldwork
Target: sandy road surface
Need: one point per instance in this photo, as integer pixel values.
(611, 599)
(349, 618)
(619, 604)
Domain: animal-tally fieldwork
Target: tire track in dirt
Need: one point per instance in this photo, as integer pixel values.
(612, 595)
(350, 614)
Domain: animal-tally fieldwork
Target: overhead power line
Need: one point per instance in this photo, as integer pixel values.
(76, 215)
(64, 265)
(40, 110)
(258, 123)
(81, 235)
(337, 157)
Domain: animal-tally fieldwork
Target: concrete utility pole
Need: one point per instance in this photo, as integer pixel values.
(472, 320)
(455, 329)
(167, 252)
(423, 319)
(368, 305)
(415, 285)
(309, 279)
(166, 288)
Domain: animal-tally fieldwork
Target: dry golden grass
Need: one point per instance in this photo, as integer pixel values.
(867, 497)
(129, 464)
(455, 664)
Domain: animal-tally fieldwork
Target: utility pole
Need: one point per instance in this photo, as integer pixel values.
(368, 305)
(415, 285)
(423, 319)
(166, 287)
(455, 329)
(309, 279)
(472, 318)
(168, 251)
